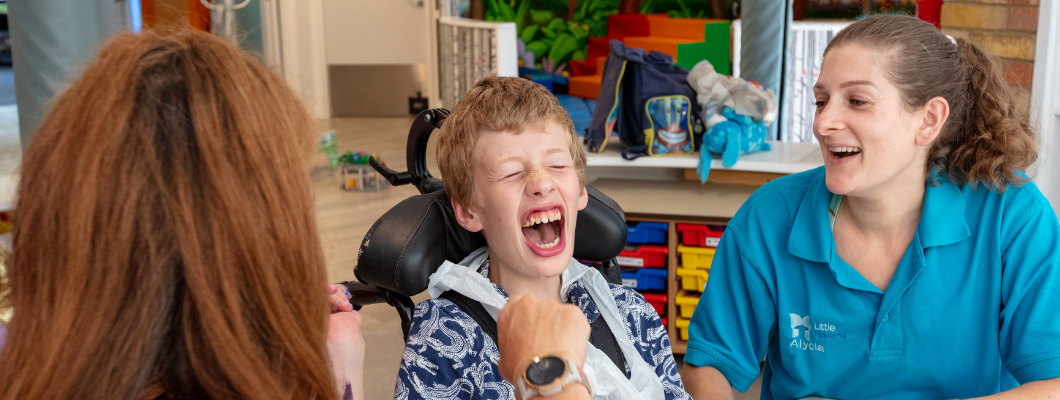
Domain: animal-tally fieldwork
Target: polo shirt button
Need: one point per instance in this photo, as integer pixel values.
(885, 316)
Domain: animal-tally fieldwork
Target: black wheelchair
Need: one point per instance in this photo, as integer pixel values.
(411, 240)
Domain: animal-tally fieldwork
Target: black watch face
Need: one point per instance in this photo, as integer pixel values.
(545, 370)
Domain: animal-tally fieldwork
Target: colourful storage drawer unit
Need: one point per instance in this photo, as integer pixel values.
(695, 257)
(657, 301)
(686, 303)
(644, 278)
(698, 235)
(646, 232)
(682, 327)
(694, 279)
(645, 256)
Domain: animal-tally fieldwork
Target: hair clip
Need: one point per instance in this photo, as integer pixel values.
(952, 40)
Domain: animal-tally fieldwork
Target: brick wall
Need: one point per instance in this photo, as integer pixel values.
(1006, 28)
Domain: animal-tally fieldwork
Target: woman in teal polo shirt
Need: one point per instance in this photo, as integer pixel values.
(917, 263)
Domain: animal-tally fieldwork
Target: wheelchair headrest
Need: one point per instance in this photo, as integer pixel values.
(408, 243)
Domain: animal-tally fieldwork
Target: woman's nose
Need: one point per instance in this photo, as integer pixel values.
(826, 120)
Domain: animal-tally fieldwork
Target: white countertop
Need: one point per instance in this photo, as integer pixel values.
(783, 158)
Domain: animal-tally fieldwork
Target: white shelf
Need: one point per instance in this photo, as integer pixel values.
(783, 158)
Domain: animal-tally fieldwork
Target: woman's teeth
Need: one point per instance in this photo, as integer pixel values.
(845, 149)
(549, 245)
(549, 217)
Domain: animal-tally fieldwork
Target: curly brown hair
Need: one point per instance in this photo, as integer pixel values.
(985, 140)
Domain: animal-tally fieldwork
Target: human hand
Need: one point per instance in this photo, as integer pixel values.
(346, 353)
(339, 296)
(529, 327)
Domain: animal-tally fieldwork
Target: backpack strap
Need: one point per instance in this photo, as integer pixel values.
(601, 336)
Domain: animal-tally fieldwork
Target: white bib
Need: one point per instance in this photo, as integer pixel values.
(607, 381)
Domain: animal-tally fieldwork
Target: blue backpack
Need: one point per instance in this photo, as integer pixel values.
(647, 101)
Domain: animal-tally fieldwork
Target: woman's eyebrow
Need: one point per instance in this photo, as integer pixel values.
(846, 84)
(853, 83)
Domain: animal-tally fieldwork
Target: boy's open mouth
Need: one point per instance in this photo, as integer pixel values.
(543, 230)
(843, 152)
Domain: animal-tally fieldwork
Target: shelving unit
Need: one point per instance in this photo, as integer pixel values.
(666, 189)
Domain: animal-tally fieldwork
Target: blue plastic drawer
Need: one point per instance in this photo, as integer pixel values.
(644, 278)
(646, 232)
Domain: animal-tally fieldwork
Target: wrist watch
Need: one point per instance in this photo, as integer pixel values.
(548, 375)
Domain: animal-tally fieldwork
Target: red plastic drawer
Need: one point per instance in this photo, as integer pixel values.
(657, 300)
(698, 235)
(644, 256)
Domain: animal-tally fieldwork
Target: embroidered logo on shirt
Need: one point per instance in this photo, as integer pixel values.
(820, 330)
(796, 322)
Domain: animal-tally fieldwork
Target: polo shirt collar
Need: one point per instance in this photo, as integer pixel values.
(942, 219)
(811, 236)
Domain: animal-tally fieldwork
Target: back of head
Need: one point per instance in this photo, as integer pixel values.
(165, 244)
(985, 139)
(497, 104)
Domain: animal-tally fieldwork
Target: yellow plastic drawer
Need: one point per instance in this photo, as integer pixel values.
(682, 327)
(686, 303)
(695, 257)
(693, 278)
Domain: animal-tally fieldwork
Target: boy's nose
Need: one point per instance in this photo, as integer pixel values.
(539, 183)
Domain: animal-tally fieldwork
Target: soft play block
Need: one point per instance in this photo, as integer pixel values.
(586, 87)
(623, 25)
(686, 28)
(660, 44)
(582, 67)
(713, 48)
(598, 47)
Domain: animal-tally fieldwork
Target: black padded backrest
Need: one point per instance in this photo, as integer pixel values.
(408, 243)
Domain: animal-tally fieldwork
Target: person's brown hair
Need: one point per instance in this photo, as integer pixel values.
(165, 244)
(497, 104)
(985, 140)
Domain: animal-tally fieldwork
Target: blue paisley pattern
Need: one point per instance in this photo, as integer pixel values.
(448, 356)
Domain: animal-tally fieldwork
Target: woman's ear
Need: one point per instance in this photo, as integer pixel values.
(936, 112)
(467, 218)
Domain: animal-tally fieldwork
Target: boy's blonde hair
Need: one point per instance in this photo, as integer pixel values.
(497, 104)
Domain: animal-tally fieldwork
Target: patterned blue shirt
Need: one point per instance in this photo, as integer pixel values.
(449, 356)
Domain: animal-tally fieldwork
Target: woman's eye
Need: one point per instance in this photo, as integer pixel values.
(558, 166)
(820, 103)
(857, 102)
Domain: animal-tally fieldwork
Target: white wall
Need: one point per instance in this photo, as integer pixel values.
(1045, 102)
(360, 32)
(302, 41)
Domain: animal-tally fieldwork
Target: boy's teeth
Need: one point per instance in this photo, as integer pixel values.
(549, 245)
(555, 216)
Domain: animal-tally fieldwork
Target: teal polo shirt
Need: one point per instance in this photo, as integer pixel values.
(973, 307)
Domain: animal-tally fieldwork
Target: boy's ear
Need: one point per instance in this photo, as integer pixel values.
(467, 218)
(583, 199)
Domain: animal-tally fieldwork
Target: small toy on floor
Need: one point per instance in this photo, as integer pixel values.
(358, 175)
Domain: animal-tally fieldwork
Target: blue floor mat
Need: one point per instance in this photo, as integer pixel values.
(580, 110)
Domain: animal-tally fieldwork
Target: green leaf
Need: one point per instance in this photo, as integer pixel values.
(520, 14)
(557, 24)
(562, 48)
(549, 33)
(579, 55)
(538, 47)
(541, 16)
(528, 33)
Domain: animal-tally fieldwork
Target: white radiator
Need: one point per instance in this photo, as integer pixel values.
(807, 41)
(469, 50)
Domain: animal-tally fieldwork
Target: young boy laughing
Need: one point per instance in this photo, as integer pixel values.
(514, 170)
